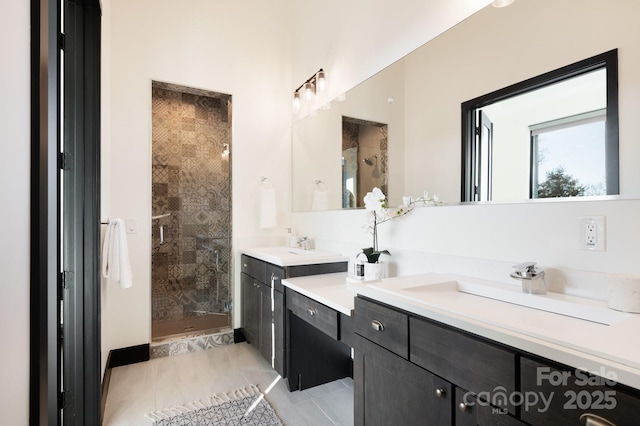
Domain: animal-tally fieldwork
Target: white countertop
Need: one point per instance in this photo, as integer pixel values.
(329, 289)
(597, 348)
(287, 256)
(601, 349)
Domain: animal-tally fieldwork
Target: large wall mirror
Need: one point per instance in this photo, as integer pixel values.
(419, 100)
(552, 136)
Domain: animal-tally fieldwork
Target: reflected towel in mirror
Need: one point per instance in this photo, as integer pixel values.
(320, 200)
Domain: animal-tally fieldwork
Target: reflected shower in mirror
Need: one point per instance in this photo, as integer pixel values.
(552, 136)
(364, 160)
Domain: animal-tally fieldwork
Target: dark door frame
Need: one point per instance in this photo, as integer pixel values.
(79, 287)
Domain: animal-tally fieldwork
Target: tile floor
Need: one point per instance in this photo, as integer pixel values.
(164, 382)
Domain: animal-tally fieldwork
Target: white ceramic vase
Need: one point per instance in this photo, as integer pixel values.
(373, 271)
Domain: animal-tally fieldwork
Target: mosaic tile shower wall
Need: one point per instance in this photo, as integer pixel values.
(191, 189)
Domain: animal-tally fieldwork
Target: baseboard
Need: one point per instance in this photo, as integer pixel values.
(118, 358)
(238, 336)
(129, 355)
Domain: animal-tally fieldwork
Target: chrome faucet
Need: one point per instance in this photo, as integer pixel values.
(304, 243)
(532, 278)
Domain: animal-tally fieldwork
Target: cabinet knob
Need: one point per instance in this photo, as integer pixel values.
(441, 393)
(377, 325)
(244, 265)
(592, 420)
(464, 407)
(311, 312)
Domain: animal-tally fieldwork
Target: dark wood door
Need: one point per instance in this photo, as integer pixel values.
(389, 390)
(471, 412)
(278, 329)
(266, 322)
(250, 308)
(573, 395)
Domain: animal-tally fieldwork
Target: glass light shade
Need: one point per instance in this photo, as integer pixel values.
(308, 90)
(502, 3)
(321, 81)
(295, 105)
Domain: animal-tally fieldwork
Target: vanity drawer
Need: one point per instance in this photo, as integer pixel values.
(254, 268)
(462, 359)
(382, 325)
(318, 315)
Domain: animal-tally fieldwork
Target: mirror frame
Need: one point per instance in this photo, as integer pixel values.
(607, 60)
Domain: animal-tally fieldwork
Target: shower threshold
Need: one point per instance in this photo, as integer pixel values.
(171, 329)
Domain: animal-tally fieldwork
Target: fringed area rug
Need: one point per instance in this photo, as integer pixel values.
(245, 406)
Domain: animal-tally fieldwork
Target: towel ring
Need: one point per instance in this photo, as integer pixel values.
(264, 181)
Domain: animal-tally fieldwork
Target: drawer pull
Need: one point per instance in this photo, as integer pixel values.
(592, 420)
(377, 325)
(311, 312)
(464, 407)
(440, 393)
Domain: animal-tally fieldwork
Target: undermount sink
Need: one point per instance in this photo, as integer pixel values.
(576, 307)
(292, 256)
(311, 252)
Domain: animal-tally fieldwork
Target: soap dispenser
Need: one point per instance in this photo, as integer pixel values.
(292, 240)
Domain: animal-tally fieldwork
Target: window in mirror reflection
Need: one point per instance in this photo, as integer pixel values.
(555, 135)
(364, 159)
(556, 169)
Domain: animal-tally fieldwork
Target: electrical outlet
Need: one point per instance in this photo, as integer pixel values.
(592, 233)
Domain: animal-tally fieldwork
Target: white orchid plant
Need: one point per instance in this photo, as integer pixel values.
(378, 212)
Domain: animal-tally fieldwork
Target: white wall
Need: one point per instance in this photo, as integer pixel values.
(14, 215)
(546, 232)
(237, 48)
(352, 40)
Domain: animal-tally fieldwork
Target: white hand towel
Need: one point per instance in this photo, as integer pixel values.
(320, 200)
(267, 208)
(115, 254)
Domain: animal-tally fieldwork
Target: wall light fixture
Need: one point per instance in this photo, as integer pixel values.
(309, 89)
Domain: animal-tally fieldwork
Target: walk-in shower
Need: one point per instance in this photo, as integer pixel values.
(191, 212)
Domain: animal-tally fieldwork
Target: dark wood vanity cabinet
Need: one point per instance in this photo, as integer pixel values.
(469, 412)
(414, 369)
(264, 304)
(316, 352)
(421, 371)
(390, 390)
(572, 396)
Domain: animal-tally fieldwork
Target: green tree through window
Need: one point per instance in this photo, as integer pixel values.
(560, 184)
